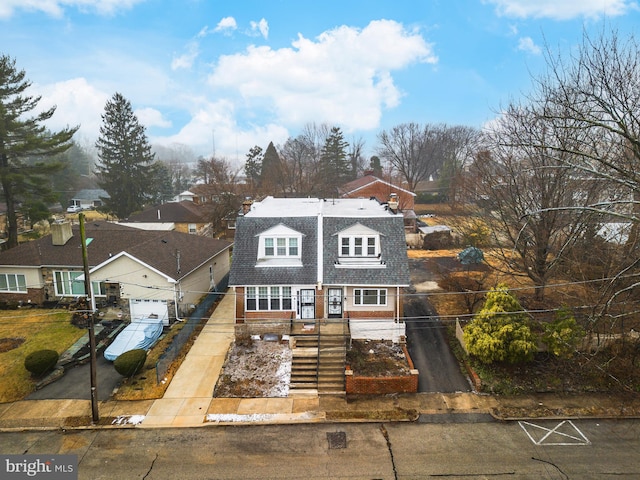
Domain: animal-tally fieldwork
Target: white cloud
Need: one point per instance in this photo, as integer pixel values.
(262, 27)
(527, 44)
(185, 61)
(55, 8)
(77, 102)
(343, 76)
(150, 117)
(226, 25)
(214, 122)
(564, 9)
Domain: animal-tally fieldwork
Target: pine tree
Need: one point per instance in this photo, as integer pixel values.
(335, 168)
(25, 147)
(271, 172)
(125, 167)
(253, 166)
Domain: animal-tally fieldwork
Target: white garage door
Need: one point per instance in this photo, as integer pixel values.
(149, 308)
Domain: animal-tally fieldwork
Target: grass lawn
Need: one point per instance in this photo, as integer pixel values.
(29, 330)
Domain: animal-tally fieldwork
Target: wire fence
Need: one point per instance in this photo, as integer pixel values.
(197, 318)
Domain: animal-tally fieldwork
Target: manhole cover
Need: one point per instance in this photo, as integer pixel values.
(337, 440)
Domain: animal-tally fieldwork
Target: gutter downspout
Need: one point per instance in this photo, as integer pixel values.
(177, 290)
(320, 259)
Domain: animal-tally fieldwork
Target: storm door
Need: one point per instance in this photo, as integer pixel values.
(307, 301)
(334, 307)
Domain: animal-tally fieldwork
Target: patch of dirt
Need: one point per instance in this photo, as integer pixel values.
(377, 358)
(9, 343)
(255, 369)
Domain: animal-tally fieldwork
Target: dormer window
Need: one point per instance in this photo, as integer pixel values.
(280, 246)
(359, 246)
(356, 246)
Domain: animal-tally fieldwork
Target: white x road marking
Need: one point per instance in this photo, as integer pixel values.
(564, 433)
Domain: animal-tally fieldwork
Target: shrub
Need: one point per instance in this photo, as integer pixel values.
(131, 362)
(500, 331)
(563, 334)
(41, 362)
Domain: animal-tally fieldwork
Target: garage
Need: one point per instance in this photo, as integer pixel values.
(149, 308)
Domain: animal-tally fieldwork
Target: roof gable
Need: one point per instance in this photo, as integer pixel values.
(279, 230)
(358, 229)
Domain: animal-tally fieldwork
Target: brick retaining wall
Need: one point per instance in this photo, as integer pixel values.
(383, 385)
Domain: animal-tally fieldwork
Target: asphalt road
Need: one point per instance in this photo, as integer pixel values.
(438, 369)
(552, 450)
(76, 383)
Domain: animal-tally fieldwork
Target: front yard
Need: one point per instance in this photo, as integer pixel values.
(24, 331)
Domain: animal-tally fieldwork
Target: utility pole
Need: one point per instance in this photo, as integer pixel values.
(92, 337)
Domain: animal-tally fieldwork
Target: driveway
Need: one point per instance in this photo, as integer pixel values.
(438, 368)
(76, 383)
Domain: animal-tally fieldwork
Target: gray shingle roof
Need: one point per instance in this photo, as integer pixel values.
(393, 253)
(393, 244)
(245, 253)
(156, 248)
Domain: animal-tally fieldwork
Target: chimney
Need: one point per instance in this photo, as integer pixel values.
(246, 206)
(393, 202)
(61, 233)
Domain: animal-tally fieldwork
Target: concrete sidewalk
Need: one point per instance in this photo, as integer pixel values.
(189, 402)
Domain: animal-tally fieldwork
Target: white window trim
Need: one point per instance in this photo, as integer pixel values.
(358, 296)
(364, 252)
(253, 293)
(288, 240)
(98, 287)
(16, 281)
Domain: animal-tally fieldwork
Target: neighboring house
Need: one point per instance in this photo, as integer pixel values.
(143, 272)
(297, 260)
(89, 199)
(397, 197)
(185, 216)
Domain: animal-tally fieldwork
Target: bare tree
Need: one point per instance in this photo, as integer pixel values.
(461, 143)
(527, 185)
(415, 151)
(595, 92)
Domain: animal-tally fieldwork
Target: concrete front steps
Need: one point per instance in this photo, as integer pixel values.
(319, 368)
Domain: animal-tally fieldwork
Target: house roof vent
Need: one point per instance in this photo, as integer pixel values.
(61, 233)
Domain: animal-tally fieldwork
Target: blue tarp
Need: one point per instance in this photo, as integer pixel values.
(141, 333)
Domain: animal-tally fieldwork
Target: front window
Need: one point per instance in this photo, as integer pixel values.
(13, 282)
(370, 296)
(193, 228)
(67, 284)
(268, 298)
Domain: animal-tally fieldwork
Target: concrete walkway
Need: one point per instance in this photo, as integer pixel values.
(189, 402)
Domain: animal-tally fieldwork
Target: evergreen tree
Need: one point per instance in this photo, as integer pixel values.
(335, 168)
(500, 331)
(271, 172)
(125, 159)
(162, 183)
(25, 147)
(375, 166)
(253, 166)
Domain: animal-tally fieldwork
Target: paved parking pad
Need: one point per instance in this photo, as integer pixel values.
(554, 433)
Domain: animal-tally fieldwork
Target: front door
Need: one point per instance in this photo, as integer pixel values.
(334, 308)
(307, 304)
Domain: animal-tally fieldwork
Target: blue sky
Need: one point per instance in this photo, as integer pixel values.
(205, 73)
